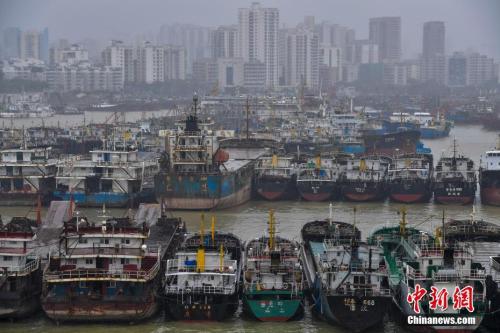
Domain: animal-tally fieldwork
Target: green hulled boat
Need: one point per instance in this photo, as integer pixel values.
(414, 257)
(273, 278)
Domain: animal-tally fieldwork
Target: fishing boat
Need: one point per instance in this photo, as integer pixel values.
(410, 178)
(203, 280)
(111, 177)
(25, 174)
(104, 270)
(275, 177)
(20, 273)
(317, 180)
(347, 277)
(489, 177)
(196, 174)
(365, 178)
(455, 179)
(416, 261)
(273, 285)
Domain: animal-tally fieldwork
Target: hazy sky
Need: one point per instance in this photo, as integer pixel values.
(471, 24)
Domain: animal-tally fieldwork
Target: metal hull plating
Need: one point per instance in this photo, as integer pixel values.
(458, 192)
(204, 191)
(361, 191)
(276, 307)
(401, 142)
(125, 302)
(351, 311)
(314, 190)
(275, 188)
(214, 307)
(490, 187)
(25, 300)
(410, 191)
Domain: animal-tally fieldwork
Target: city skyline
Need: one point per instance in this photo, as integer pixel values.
(66, 20)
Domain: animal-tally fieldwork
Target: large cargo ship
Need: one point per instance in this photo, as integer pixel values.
(26, 174)
(347, 277)
(104, 271)
(273, 285)
(410, 178)
(203, 280)
(20, 273)
(196, 174)
(365, 178)
(115, 178)
(489, 177)
(455, 179)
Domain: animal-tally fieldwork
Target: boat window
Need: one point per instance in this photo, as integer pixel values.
(89, 261)
(7, 258)
(125, 241)
(430, 261)
(463, 262)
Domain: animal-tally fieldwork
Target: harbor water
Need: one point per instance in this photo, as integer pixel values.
(249, 221)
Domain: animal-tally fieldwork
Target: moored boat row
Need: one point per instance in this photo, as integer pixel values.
(110, 270)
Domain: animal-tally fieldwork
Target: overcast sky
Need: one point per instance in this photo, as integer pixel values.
(470, 24)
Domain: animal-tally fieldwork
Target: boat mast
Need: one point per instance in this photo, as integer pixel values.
(248, 112)
(272, 230)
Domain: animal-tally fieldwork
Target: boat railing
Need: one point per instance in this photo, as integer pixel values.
(476, 228)
(174, 267)
(205, 289)
(190, 147)
(102, 274)
(413, 273)
(281, 269)
(291, 286)
(31, 266)
(456, 274)
(361, 291)
(436, 251)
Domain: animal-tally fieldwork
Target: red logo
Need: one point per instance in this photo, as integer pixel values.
(439, 298)
(415, 297)
(462, 298)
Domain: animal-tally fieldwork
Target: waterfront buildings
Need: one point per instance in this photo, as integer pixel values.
(386, 32)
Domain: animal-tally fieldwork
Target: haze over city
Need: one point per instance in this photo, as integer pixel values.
(469, 24)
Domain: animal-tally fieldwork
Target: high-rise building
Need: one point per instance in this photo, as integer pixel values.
(119, 55)
(150, 63)
(195, 39)
(363, 52)
(224, 42)
(11, 43)
(30, 45)
(433, 61)
(43, 45)
(480, 69)
(457, 70)
(71, 55)
(258, 38)
(302, 57)
(386, 33)
(330, 69)
(205, 71)
(175, 62)
(336, 36)
(230, 72)
(433, 40)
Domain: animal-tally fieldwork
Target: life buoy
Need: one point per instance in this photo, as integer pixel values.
(285, 285)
